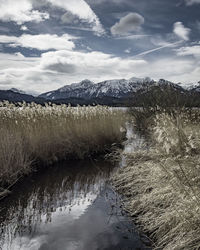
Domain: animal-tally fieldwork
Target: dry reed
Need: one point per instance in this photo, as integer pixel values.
(162, 186)
(31, 133)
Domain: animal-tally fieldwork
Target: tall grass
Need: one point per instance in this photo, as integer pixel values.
(162, 185)
(31, 133)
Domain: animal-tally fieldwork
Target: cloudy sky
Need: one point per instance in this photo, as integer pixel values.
(45, 44)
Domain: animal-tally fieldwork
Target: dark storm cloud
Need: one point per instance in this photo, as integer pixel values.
(127, 24)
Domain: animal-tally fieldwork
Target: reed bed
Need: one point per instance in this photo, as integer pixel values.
(33, 134)
(162, 184)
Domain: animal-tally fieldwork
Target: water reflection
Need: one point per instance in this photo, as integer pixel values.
(65, 207)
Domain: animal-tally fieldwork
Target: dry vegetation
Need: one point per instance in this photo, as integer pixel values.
(162, 184)
(32, 134)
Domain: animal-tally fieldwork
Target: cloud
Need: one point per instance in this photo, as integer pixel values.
(181, 31)
(188, 51)
(53, 69)
(14, 67)
(19, 55)
(23, 28)
(17, 61)
(11, 10)
(82, 10)
(40, 42)
(191, 2)
(57, 68)
(69, 18)
(93, 64)
(20, 12)
(128, 51)
(173, 69)
(128, 24)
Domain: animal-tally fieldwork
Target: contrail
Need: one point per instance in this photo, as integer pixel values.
(156, 49)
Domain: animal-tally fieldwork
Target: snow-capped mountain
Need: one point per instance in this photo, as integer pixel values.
(195, 87)
(86, 89)
(17, 91)
(164, 83)
(79, 90)
(118, 92)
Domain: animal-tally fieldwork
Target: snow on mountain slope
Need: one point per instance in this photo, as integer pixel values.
(117, 88)
(17, 91)
(195, 87)
(87, 89)
(77, 90)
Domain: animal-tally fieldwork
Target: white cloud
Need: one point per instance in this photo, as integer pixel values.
(191, 2)
(128, 51)
(23, 28)
(172, 69)
(12, 67)
(190, 50)
(92, 64)
(40, 42)
(57, 68)
(181, 31)
(82, 10)
(128, 24)
(19, 55)
(20, 12)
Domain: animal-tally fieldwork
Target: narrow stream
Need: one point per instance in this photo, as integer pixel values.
(69, 206)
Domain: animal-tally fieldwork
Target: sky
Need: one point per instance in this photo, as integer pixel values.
(46, 44)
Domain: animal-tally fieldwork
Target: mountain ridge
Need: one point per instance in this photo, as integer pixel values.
(14, 96)
(87, 89)
(109, 92)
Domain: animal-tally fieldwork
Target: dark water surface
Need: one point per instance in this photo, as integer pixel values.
(69, 206)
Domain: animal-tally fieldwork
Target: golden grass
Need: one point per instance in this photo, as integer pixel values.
(162, 186)
(31, 133)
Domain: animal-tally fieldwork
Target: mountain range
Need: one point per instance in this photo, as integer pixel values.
(111, 92)
(87, 89)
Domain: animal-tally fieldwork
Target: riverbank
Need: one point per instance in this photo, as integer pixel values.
(160, 184)
(31, 135)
